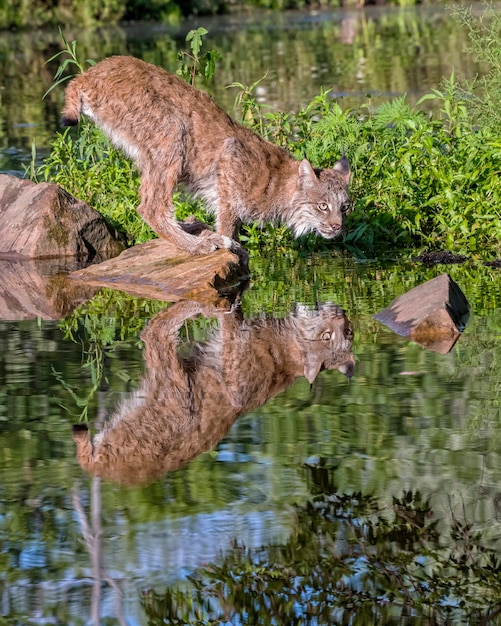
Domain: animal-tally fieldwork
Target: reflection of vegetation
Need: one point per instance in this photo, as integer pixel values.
(104, 326)
(350, 560)
(384, 432)
(26, 77)
(19, 13)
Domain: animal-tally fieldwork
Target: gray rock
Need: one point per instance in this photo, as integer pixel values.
(432, 314)
(41, 221)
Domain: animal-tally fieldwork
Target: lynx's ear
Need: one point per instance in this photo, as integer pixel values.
(311, 370)
(306, 175)
(343, 168)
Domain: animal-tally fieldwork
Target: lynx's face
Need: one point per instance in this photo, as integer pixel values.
(322, 201)
(327, 337)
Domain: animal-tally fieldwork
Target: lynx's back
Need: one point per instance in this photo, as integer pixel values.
(137, 104)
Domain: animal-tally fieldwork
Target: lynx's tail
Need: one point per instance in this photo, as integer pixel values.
(71, 112)
(84, 444)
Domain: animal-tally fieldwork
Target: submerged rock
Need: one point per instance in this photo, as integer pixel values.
(433, 314)
(158, 270)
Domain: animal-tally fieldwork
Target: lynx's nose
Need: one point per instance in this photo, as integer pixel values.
(335, 229)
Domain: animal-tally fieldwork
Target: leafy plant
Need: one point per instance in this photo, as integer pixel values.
(251, 110)
(70, 49)
(201, 65)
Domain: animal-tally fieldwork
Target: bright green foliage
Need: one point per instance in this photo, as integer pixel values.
(427, 182)
(418, 181)
(89, 168)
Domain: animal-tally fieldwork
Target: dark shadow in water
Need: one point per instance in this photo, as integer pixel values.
(187, 404)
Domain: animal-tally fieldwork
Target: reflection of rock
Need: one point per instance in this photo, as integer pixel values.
(31, 289)
(186, 404)
(156, 269)
(44, 221)
(432, 314)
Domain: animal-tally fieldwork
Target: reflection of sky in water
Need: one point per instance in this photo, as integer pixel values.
(33, 554)
(173, 548)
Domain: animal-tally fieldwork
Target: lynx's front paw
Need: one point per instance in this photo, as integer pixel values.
(234, 246)
(210, 241)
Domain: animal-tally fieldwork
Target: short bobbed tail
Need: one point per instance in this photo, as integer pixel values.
(71, 112)
(81, 437)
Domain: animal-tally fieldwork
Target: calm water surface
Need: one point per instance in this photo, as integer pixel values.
(77, 549)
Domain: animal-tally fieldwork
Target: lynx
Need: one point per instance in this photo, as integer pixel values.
(177, 134)
(186, 404)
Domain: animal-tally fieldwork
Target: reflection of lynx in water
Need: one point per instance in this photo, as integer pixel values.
(178, 134)
(187, 404)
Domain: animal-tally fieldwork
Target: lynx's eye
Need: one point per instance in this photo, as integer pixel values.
(345, 208)
(325, 336)
(348, 333)
(323, 206)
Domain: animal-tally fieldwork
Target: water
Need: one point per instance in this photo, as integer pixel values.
(409, 420)
(79, 549)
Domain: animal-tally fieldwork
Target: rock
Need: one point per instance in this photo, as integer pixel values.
(443, 257)
(432, 314)
(158, 270)
(33, 289)
(44, 221)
